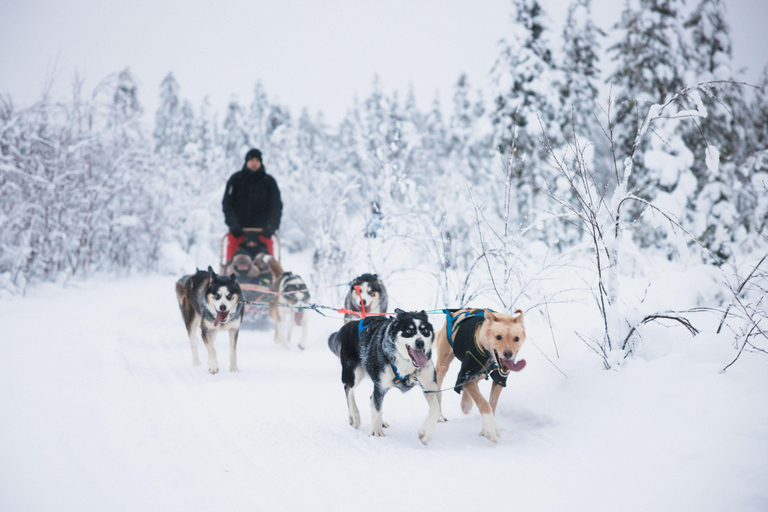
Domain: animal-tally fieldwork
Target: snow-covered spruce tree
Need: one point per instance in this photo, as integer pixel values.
(757, 120)
(127, 204)
(466, 164)
(709, 61)
(525, 101)
(166, 134)
(649, 70)
(234, 137)
(580, 74)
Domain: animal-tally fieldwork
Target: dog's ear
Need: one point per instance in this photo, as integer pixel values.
(399, 312)
(518, 318)
(489, 315)
(233, 277)
(423, 314)
(210, 270)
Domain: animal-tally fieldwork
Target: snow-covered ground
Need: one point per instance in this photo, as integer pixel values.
(101, 410)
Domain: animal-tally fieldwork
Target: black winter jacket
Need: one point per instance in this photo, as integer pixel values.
(252, 200)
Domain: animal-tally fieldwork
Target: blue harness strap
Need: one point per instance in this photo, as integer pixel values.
(449, 320)
(360, 328)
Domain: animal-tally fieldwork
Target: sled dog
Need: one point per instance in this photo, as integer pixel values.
(366, 292)
(291, 295)
(487, 344)
(393, 352)
(211, 303)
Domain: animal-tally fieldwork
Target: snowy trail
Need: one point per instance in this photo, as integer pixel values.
(102, 410)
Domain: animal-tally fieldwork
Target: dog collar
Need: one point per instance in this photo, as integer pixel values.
(400, 378)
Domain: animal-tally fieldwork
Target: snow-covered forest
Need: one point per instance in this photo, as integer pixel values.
(673, 162)
(626, 183)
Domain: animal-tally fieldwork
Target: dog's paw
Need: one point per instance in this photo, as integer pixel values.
(442, 419)
(354, 421)
(385, 424)
(234, 368)
(491, 436)
(425, 436)
(213, 368)
(377, 432)
(490, 430)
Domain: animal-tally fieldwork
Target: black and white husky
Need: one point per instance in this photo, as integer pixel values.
(291, 296)
(393, 352)
(367, 292)
(211, 303)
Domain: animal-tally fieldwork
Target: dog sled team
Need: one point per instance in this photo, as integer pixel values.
(394, 350)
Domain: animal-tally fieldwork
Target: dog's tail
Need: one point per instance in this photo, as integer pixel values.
(334, 343)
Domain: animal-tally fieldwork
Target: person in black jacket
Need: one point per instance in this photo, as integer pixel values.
(251, 200)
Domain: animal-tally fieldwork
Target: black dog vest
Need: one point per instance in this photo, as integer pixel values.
(462, 335)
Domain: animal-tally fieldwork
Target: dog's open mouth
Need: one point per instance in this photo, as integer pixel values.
(221, 317)
(419, 358)
(509, 365)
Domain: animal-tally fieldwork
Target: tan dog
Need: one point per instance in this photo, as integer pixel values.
(487, 344)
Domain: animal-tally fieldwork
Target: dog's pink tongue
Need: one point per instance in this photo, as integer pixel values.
(420, 358)
(513, 366)
(221, 317)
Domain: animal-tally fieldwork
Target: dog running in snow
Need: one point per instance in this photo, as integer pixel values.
(291, 295)
(393, 352)
(367, 292)
(211, 303)
(487, 344)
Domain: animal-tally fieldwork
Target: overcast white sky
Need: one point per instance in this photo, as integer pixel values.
(314, 54)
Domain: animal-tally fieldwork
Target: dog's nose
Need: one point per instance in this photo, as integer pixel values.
(222, 307)
(419, 344)
(508, 354)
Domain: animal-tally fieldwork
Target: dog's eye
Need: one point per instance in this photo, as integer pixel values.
(408, 332)
(229, 297)
(425, 330)
(498, 337)
(217, 296)
(517, 338)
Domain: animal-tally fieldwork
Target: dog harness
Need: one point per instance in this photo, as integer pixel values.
(462, 336)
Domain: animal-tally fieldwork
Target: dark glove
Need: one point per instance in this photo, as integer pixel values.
(236, 231)
(267, 233)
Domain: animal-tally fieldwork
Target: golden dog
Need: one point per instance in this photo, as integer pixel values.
(487, 344)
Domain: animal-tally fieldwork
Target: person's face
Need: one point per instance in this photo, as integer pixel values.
(253, 164)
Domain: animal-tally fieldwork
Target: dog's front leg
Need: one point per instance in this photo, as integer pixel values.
(303, 340)
(490, 430)
(427, 380)
(496, 390)
(208, 339)
(444, 358)
(351, 377)
(277, 320)
(377, 399)
(193, 342)
(233, 350)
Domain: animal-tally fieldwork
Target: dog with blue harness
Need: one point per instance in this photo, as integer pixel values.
(393, 352)
(487, 344)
